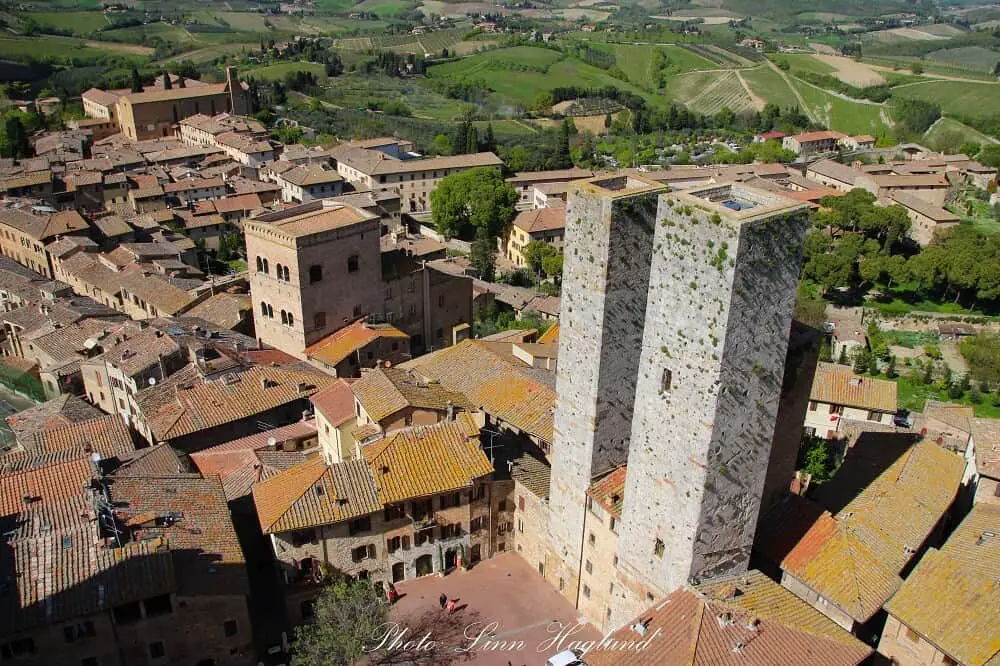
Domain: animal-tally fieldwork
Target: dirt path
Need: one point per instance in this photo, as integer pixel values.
(757, 101)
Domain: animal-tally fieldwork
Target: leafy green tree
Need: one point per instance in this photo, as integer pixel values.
(553, 266)
(862, 360)
(483, 255)
(890, 369)
(347, 615)
(535, 253)
(842, 359)
(479, 198)
(489, 142)
(825, 354)
(990, 154)
(982, 354)
(816, 459)
(441, 145)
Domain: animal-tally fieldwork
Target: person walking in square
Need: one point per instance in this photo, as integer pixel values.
(443, 600)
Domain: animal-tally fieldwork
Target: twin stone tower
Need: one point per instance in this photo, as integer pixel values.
(675, 317)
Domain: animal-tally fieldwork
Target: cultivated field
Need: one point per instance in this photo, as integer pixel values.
(947, 133)
(851, 71)
(279, 71)
(710, 92)
(840, 114)
(960, 98)
(517, 75)
(769, 84)
(973, 57)
(81, 23)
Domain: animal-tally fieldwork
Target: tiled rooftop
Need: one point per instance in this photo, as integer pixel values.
(383, 392)
(340, 344)
(609, 491)
(745, 620)
(838, 385)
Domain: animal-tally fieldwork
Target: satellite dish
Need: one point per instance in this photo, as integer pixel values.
(152, 381)
(95, 457)
(271, 442)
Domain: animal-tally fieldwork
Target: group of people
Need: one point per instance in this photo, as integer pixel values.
(446, 603)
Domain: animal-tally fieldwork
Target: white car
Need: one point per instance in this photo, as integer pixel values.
(566, 658)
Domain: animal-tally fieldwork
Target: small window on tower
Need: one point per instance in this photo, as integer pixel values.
(658, 548)
(666, 380)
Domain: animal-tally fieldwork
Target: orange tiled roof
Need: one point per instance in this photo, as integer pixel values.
(541, 219)
(216, 403)
(854, 558)
(609, 491)
(951, 597)
(340, 344)
(550, 336)
(383, 392)
(838, 385)
(335, 403)
(315, 493)
(107, 435)
(744, 620)
(425, 461)
(493, 383)
(986, 439)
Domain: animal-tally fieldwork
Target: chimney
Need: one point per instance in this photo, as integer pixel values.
(263, 382)
(450, 410)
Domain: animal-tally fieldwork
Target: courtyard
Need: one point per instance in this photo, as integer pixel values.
(506, 614)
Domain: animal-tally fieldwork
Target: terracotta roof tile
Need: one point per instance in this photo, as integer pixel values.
(533, 474)
(340, 344)
(541, 219)
(425, 461)
(951, 597)
(986, 440)
(609, 491)
(838, 385)
(383, 392)
(493, 383)
(335, 403)
(746, 620)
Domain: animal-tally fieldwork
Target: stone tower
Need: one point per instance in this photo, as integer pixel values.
(609, 239)
(724, 273)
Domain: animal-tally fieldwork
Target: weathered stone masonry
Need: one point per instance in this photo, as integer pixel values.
(609, 228)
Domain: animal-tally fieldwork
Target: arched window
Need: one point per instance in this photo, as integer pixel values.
(260, 265)
(263, 308)
(286, 274)
(291, 319)
(265, 267)
(277, 271)
(284, 317)
(270, 312)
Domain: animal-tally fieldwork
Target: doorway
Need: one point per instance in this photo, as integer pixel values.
(398, 572)
(450, 557)
(476, 554)
(424, 565)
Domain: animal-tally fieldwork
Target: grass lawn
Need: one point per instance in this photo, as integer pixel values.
(982, 216)
(686, 60)
(356, 91)
(139, 34)
(280, 70)
(913, 395)
(769, 84)
(49, 46)
(948, 134)
(840, 114)
(803, 62)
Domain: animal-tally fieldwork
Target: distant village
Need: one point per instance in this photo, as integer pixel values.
(326, 410)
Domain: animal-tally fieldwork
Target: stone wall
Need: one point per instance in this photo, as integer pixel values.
(531, 526)
(609, 238)
(717, 321)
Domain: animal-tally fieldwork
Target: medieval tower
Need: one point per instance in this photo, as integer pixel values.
(689, 380)
(609, 241)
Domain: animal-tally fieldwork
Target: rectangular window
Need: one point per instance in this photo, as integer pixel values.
(352, 263)
(393, 544)
(520, 503)
(502, 505)
(666, 380)
(160, 605)
(837, 409)
(127, 613)
(394, 512)
(658, 548)
(359, 525)
(315, 274)
(156, 650)
(80, 630)
(476, 524)
(450, 500)
(812, 405)
(589, 567)
(363, 552)
(586, 591)
(520, 526)
(230, 628)
(874, 416)
(592, 539)
(423, 536)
